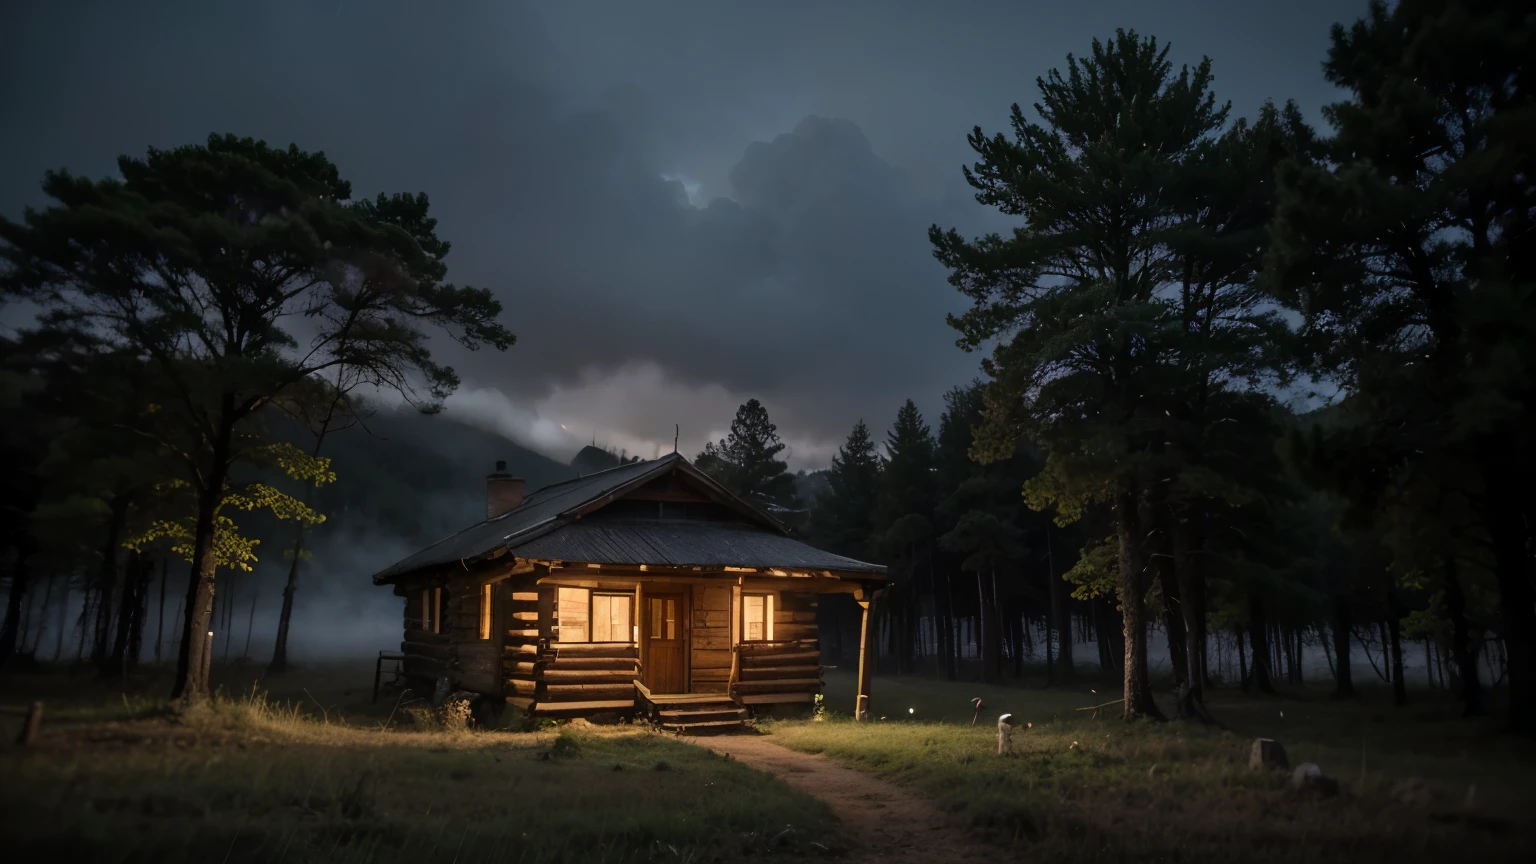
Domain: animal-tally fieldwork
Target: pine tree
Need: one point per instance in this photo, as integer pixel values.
(904, 516)
(845, 514)
(214, 261)
(746, 460)
(1409, 256)
(1075, 292)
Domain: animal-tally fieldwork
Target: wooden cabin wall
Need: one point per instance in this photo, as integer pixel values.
(711, 644)
(786, 670)
(427, 653)
(524, 622)
(455, 649)
(794, 618)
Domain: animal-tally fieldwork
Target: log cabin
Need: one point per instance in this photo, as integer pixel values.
(647, 589)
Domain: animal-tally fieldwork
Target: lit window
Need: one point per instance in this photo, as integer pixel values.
(573, 614)
(664, 618)
(756, 617)
(610, 617)
(432, 610)
(587, 616)
(485, 612)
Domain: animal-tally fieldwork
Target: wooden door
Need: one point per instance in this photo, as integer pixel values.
(665, 643)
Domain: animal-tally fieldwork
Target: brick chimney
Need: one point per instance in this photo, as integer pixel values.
(503, 492)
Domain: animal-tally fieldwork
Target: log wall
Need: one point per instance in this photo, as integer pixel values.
(787, 669)
(710, 649)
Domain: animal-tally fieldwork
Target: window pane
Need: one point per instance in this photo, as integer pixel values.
(573, 614)
(620, 627)
(485, 612)
(752, 607)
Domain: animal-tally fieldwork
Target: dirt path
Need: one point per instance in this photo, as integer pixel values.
(886, 823)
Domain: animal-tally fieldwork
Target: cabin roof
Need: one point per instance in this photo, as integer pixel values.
(683, 544)
(541, 527)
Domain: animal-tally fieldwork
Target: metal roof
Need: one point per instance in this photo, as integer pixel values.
(555, 509)
(682, 544)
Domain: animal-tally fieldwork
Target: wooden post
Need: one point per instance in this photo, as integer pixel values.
(34, 722)
(861, 706)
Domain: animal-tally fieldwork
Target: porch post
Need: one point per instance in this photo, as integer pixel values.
(861, 706)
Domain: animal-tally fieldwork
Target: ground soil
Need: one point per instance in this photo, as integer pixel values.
(883, 822)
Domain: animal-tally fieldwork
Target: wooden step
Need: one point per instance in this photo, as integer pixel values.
(709, 724)
(701, 715)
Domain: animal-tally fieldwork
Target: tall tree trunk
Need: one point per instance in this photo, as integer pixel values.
(986, 614)
(1060, 611)
(1242, 659)
(10, 630)
(1173, 624)
(130, 605)
(1395, 635)
(1473, 703)
(106, 582)
(1517, 596)
(1137, 690)
(1050, 664)
(1343, 621)
(1261, 665)
(1386, 648)
(165, 564)
(191, 685)
(1187, 578)
(1110, 640)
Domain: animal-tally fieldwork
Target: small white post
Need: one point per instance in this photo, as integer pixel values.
(1004, 733)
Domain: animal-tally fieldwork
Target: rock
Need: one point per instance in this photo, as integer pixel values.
(1267, 754)
(1309, 777)
(1413, 792)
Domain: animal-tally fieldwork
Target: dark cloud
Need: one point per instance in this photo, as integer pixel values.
(682, 204)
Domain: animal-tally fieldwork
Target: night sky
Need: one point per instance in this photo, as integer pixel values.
(681, 204)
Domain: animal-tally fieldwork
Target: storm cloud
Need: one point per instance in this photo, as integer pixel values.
(681, 204)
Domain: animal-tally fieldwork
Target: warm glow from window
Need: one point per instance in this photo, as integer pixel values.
(587, 616)
(664, 617)
(610, 617)
(485, 612)
(756, 617)
(432, 610)
(574, 615)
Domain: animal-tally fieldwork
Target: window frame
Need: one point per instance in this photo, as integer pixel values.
(432, 609)
(487, 615)
(768, 598)
(592, 595)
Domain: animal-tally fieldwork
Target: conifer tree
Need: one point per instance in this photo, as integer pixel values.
(241, 270)
(845, 514)
(746, 460)
(1074, 293)
(1409, 256)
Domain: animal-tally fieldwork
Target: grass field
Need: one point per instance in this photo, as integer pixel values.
(311, 775)
(313, 772)
(1079, 789)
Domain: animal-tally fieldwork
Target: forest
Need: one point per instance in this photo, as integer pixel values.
(1247, 387)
